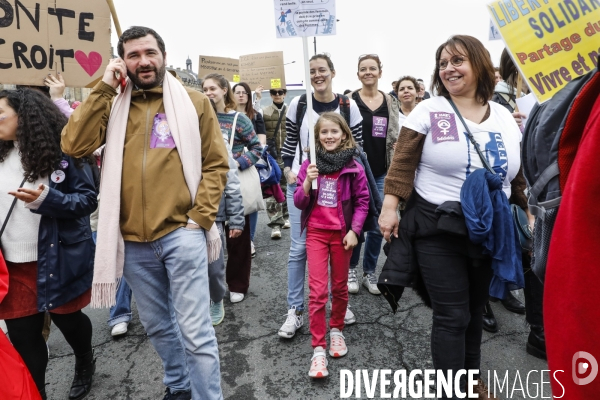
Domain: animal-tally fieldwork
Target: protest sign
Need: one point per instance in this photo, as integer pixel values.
(551, 42)
(228, 67)
(264, 69)
(296, 18)
(494, 33)
(41, 37)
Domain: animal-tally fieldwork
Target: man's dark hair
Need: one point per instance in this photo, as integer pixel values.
(136, 32)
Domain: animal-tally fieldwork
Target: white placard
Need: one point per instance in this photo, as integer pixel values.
(298, 18)
(526, 103)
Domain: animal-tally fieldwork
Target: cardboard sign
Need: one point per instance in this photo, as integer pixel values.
(551, 42)
(297, 18)
(264, 69)
(228, 67)
(41, 37)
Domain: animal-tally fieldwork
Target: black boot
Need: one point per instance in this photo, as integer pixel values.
(512, 304)
(489, 320)
(536, 342)
(85, 365)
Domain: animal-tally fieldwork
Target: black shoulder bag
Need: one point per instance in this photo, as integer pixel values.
(520, 218)
(10, 210)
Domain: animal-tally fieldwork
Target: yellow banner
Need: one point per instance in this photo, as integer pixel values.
(551, 41)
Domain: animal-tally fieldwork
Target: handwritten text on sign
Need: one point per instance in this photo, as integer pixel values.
(297, 18)
(264, 69)
(551, 41)
(228, 67)
(67, 36)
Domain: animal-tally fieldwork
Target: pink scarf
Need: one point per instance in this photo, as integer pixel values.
(183, 122)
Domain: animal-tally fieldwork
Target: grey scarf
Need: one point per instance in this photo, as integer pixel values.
(328, 163)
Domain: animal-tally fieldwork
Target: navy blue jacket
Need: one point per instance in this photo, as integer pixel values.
(489, 223)
(65, 246)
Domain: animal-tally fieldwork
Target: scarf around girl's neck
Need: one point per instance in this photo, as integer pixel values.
(328, 163)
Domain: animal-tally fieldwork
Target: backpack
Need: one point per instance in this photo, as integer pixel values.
(301, 112)
(549, 147)
(344, 109)
(505, 100)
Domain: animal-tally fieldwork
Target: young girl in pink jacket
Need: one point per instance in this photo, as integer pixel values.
(333, 215)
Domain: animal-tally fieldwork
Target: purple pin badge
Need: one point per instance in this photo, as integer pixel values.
(64, 164)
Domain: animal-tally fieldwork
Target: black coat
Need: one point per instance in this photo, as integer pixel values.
(65, 245)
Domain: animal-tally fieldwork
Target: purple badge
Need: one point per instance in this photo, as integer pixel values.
(64, 164)
(327, 192)
(443, 127)
(161, 133)
(380, 127)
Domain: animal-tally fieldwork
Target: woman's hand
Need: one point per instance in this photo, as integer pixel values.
(519, 117)
(56, 85)
(258, 92)
(290, 176)
(388, 219)
(28, 195)
(350, 240)
(233, 233)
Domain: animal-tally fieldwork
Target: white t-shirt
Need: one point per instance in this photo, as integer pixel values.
(449, 157)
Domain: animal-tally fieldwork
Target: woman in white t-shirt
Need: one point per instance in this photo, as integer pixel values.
(294, 151)
(435, 158)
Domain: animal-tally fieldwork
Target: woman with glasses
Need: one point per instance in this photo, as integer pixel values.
(428, 171)
(380, 129)
(243, 98)
(407, 89)
(295, 150)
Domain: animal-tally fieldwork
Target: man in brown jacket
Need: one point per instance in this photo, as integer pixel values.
(165, 247)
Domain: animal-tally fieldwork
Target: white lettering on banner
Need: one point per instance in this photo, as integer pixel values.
(430, 383)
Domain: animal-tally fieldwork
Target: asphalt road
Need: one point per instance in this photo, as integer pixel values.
(257, 364)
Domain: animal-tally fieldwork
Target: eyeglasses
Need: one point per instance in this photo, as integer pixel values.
(367, 55)
(277, 92)
(454, 60)
(240, 93)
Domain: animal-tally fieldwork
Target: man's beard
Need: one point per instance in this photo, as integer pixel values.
(159, 75)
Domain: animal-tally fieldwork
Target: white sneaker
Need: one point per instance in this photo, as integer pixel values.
(252, 250)
(349, 318)
(293, 322)
(276, 233)
(318, 364)
(119, 329)
(352, 281)
(286, 224)
(370, 282)
(236, 297)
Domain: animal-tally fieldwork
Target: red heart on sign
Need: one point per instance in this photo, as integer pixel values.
(91, 63)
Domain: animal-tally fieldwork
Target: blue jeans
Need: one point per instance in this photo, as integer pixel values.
(372, 242)
(253, 221)
(120, 312)
(169, 278)
(297, 257)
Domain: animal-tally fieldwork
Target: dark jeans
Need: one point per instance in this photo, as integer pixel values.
(239, 260)
(458, 292)
(534, 295)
